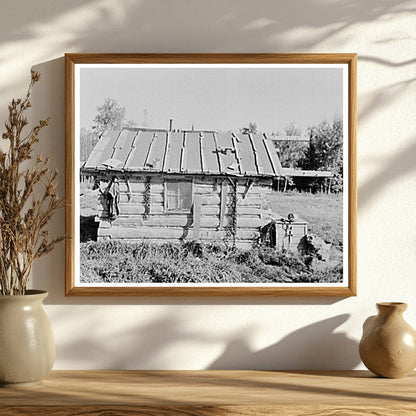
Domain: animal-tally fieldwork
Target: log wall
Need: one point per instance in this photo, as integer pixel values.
(215, 222)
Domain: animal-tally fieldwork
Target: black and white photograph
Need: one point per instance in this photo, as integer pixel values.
(211, 175)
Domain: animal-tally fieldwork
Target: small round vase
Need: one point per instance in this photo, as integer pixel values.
(388, 345)
(27, 347)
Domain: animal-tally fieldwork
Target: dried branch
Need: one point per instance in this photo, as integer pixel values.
(24, 217)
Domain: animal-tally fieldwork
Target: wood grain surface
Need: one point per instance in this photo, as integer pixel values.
(202, 393)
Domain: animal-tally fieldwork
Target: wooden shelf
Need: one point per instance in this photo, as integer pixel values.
(202, 393)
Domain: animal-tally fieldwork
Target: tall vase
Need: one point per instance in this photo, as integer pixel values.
(27, 347)
(388, 345)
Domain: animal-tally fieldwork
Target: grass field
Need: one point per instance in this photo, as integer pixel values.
(189, 262)
(323, 212)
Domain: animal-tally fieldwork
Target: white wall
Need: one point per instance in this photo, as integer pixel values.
(200, 333)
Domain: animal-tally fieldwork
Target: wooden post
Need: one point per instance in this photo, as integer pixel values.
(223, 202)
(197, 217)
(249, 185)
(276, 236)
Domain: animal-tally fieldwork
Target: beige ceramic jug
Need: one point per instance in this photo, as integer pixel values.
(388, 345)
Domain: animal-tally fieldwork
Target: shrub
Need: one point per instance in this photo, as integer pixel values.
(191, 262)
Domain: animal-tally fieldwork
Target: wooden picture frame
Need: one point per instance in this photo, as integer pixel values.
(126, 185)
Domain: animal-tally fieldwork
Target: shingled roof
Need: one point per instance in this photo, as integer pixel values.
(185, 152)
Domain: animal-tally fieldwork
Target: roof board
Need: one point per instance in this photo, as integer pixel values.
(192, 152)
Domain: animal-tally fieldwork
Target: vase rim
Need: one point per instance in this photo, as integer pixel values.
(30, 293)
(401, 306)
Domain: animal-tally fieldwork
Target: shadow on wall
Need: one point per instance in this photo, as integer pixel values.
(314, 347)
(151, 24)
(48, 100)
(143, 347)
(153, 344)
(392, 170)
(133, 26)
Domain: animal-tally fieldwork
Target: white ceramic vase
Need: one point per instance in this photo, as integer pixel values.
(27, 347)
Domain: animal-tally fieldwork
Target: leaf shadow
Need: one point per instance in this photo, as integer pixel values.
(313, 347)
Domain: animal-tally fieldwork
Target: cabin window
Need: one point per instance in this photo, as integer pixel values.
(178, 196)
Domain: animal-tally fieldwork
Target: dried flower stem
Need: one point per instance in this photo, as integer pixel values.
(23, 217)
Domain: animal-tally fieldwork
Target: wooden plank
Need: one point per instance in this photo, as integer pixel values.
(202, 151)
(246, 154)
(209, 153)
(225, 152)
(173, 161)
(264, 162)
(192, 156)
(158, 151)
(102, 150)
(137, 187)
(197, 218)
(183, 153)
(210, 200)
(257, 160)
(175, 410)
(214, 392)
(273, 158)
(168, 233)
(204, 190)
(250, 222)
(166, 220)
(249, 200)
(118, 144)
(210, 210)
(235, 140)
(205, 181)
(307, 173)
(104, 223)
(148, 163)
(138, 155)
(135, 208)
(220, 163)
(251, 210)
(167, 152)
(263, 184)
(138, 198)
(131, 151)
(241, 190)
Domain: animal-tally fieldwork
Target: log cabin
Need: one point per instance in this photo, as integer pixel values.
(169, 185)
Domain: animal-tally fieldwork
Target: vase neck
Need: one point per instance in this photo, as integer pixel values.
(391, 308)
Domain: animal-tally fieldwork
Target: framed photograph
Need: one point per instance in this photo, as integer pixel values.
(211, 174)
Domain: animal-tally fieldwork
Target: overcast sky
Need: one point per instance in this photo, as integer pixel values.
(215, 98)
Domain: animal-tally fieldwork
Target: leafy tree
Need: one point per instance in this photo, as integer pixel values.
(325, 152)
(325, 149)
(110, 116)
(291, 152)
